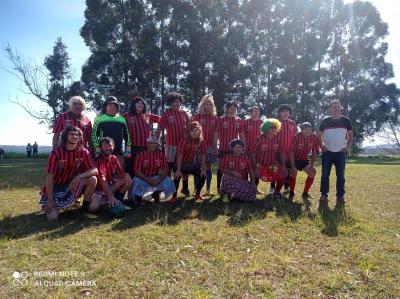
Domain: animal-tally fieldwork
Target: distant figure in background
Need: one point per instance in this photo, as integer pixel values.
(29, 150)
(35, 148)
(1, 153)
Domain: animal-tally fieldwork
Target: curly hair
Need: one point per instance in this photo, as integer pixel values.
(66, 131)
(207, 98)
(193, 126)
(132, 107)
(270, 122)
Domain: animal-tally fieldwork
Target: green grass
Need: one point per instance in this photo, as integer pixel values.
(270, 249)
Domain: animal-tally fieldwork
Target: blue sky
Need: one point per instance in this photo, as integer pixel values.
(33, 26)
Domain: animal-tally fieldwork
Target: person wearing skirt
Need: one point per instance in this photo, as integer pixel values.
(186, 163)
(237, 169)
(151, 170)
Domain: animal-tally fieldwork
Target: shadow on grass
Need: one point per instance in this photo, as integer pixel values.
(333, 218)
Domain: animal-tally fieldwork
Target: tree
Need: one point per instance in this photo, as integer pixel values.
(51, 82)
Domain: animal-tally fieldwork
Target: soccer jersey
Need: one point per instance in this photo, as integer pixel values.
(189, 149)
(209, 124)
(241, 164)
(151, 163)
(266, 150)
(228, 128)
(302, 145)
(111, 126)
(335, 132)
(109, 168)
(174, 122)
(251, 130)
(68, 119)
(140, 127)
(66, 164)
(286, 134)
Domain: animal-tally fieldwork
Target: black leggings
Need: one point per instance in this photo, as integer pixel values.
(194, 169)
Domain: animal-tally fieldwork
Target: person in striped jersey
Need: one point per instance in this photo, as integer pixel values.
(190, 146)
(265, 155)
(151, 170)
(250, 130)
(303, 143)
(112, 180)
(208, 119)
(174, 120)
(74, 117)
(228, 129)
(237, 169)
(70, 172)
(140, 126)
(285, 137)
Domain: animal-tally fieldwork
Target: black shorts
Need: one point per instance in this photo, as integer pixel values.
(130, 162)
(301, 164)
(190, 168)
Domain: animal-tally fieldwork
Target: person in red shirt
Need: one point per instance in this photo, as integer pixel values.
(303, 143)
(140, 127)
(69, 172)
(74, 117)
(174, 120)
(228, 129)
(112, 182)
(250, 130)
(237, 169)
(186, 163)
(151, 170)
(285, 137)
(265, 154)
(208, 119)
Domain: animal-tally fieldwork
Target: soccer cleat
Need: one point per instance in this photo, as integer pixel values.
(199, 198)
(185, 192)
(323, 197)
(340, 199)
(291, 195)
(173, 199)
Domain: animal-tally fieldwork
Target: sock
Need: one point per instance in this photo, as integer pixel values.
(279, 186)
(156, 196)
(202, 180)
(292, 184)
(195, 182)
(257, 181)
(185, 184)
(176, 182)
(119, 196)
(219, 179)
(273, 185)
(307, 186)
(209, 178)
(85, 206)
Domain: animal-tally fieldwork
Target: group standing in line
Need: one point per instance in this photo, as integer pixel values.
(120, 154)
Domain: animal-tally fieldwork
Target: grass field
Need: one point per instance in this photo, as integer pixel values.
(268, 249)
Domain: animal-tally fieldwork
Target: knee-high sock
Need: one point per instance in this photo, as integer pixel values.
(292, 184)
(209, 178)
(273, 185)
(279, 185)
(257, 181)
(185, 184)
(219, 179)
(308, 184)
(195, 182)
(176, 182)
(202, 180)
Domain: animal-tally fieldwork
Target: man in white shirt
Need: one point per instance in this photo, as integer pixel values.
(336, 134)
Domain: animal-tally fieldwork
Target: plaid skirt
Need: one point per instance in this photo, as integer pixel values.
(63, 196)
(211, 157)
(143, 189)
(238, 188)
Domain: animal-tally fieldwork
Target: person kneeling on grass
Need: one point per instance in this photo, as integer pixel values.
(186, 162)
(265, 154)
(303, 143)
(70, 171)
(113, 182)
(151, 170)
(236, 170)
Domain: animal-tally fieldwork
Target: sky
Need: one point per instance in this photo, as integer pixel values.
(32, 27)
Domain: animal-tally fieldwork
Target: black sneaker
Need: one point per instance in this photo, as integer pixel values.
(277, 194)
(291, 195)
(340, 199)
(84, 207)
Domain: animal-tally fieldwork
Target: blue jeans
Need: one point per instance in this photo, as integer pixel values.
(339, 160)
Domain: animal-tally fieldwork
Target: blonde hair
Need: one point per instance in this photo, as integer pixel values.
(210, 99)
(76, 99)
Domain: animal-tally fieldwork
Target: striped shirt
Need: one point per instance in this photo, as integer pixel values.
(241, 164)
(140, 127)
(189, 149)
(209, 124)
(66, 164)
(68, 119)
(151, 163)
(302, 145)
(286, 134)
(228, 128)
(174, 122)
(335, 132)
(109, 168)
(266, 150)
(251, 130)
